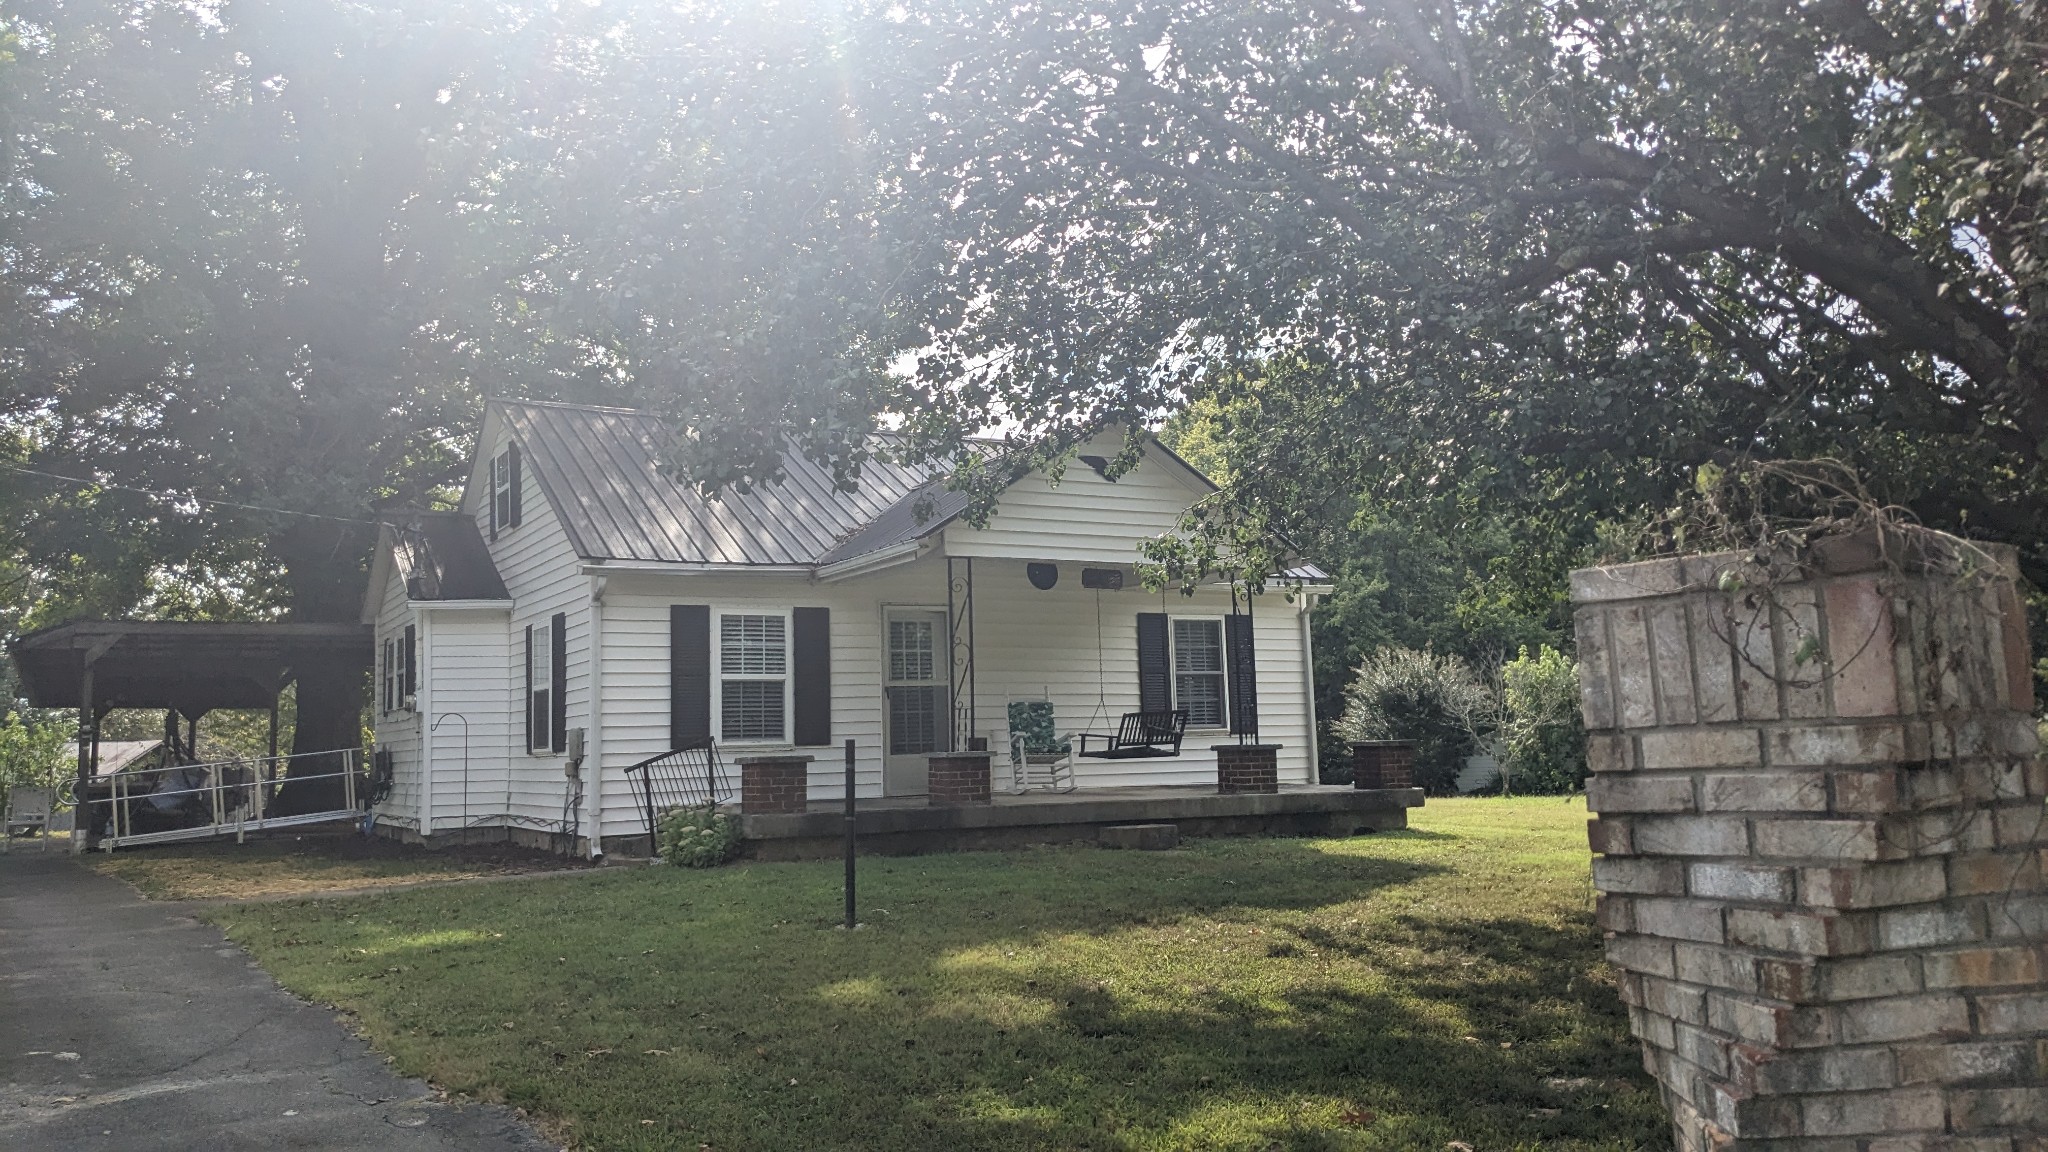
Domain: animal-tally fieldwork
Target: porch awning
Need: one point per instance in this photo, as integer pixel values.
(191, 666)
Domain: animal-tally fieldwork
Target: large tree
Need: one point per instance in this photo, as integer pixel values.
(1543, 253)
(230, 231)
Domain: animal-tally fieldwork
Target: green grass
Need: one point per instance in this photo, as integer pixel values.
(1398, 991)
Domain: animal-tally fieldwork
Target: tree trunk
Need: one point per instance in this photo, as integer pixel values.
(324, 572)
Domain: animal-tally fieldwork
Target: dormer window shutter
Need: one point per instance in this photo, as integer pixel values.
(513, 470)
(412, 664)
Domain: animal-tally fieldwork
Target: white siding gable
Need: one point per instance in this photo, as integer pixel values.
(1084, 517)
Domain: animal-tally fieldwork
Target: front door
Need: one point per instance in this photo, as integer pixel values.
(915, 720)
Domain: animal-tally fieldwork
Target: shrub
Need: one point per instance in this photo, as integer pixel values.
(1544, 739)
(1414, 694)
(699, 836)
(34, 753)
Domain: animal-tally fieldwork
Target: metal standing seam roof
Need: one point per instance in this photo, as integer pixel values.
(600, 470)
(442, 556)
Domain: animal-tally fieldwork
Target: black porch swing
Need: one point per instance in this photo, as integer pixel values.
(1157, 728)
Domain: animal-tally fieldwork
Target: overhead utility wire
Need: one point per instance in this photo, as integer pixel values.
(175, 498)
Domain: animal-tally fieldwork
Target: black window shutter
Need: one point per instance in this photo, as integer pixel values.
(528, 697)
(811, 696)
(1243, 673)
(1155, 684)
(689, 673)
(412, 665)
(513, 483)
(558, 681)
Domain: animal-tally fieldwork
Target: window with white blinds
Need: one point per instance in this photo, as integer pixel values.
(753, 677)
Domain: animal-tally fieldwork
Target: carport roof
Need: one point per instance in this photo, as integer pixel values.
(192, 666)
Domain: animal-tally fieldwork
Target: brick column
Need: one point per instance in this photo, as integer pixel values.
(959, 778)
(1383, 763)
(1819, 820)
(774, 784)
(1246, 768)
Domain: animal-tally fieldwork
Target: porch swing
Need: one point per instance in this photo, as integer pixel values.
(1150, 732)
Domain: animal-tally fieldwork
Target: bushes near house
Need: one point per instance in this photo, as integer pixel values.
(1527, 716)
(1544, 739)
(1415, 694)
(698, 836)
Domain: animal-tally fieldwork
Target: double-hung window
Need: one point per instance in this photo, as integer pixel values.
(540, 669)
(503, 474)
(389, 677)
(753, 677)
(1198, 671)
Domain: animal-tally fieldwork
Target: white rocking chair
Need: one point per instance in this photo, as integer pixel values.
(1039, 760)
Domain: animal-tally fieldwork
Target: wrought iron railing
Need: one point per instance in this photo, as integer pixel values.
(688, 777)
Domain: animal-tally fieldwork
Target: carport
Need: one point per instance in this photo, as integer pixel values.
(187, 668)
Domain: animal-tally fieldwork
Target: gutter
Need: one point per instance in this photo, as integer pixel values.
(688, 568)
(1308, 688)
(875, 561)
(592, 768)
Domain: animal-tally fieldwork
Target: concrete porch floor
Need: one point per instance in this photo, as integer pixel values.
(909, 825)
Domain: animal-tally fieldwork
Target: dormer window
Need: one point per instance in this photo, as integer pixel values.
(504, 494)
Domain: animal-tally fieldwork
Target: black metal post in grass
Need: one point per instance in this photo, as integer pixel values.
(849, 836)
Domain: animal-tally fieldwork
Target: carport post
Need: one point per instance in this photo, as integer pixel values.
(88, 723)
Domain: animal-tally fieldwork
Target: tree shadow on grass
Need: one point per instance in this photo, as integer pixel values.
(1237, 996)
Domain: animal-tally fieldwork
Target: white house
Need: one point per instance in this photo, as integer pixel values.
(580, 600)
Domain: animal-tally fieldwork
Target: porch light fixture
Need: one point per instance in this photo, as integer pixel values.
(1043, 576)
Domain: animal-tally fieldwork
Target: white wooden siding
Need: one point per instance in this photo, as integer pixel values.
(1029, 645)
(1032, 645)
(469, 665)
(636, 678)
(397, 731)
(1084, 517)
(543, 576)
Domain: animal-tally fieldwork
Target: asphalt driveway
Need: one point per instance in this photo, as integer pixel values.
(131, 1025)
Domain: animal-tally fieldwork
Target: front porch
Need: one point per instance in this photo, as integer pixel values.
(910, 826)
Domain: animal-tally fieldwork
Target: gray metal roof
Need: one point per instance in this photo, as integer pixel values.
(442, 556)
(600, 470)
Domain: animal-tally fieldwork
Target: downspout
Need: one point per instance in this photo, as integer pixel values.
(593, 736)
(423, 707)
(1308, 687)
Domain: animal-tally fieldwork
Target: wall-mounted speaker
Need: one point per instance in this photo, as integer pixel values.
(1107, 578)
(1043, 576)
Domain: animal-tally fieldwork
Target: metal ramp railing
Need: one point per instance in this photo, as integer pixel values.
(180, 802)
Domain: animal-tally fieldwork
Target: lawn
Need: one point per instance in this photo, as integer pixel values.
(1400, 991)
(304, 865)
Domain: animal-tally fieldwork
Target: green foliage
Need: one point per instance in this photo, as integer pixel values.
(698, 836)
(35, 751)
(1455, 574)
(1544, 738)
(1414, 694)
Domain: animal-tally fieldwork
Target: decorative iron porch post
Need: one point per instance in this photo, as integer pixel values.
(960, 644)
